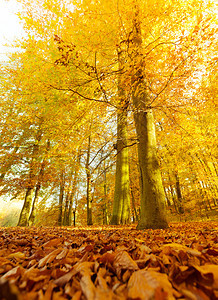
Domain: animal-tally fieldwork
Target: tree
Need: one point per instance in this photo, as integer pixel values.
(65, 72)
(121, 204)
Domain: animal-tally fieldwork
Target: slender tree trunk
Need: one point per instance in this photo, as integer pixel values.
(105, 212)
(32, 216)
(179, 193)
(74, 217)
(167, 198)
(88, 186)
(25, 212)
(121, 204)
(24, 215)
(66, 209)
(136, 217)
(153, 211)
(73, 192)
(61, 199)
(173, 197)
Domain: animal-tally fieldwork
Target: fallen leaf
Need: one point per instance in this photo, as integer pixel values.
(48, 258)
(124, 261)
(146, 284)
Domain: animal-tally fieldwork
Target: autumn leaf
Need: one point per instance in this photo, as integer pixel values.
(149, 285)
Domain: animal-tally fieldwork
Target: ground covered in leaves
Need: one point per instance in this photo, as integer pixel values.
(109, 263)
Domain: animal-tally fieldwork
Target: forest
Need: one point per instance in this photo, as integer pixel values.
(108, 114)
(108, 170)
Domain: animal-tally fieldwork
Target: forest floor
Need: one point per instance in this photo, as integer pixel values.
(109, 262)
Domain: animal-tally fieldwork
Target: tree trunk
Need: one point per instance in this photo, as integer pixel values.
(61, 198)
(73, 192)
(179, 194)
(66, 210)
(121, 204)
(136, 217)
(74, 217)
(32, 216)
(153, 211)
(104, 208)
(88, 187)
(24, 215)
(25, 212)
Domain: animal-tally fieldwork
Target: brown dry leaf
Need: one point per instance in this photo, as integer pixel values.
(194, 293)
(179, 274)
(17, 255)
(82, 267)
(208, 275)
(124, 261)
(53, 243)
(62, 254)
(102, 291)
(36, 275)
(107, 258)
(101, 281)
(61, 281)
(48, 258)
(179, 247)
(87, 286)
(147, 284)
(193, 252)
(13, 272)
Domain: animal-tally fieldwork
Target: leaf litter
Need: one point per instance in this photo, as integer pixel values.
(109, 262)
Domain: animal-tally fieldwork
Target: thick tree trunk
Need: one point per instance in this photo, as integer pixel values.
(153, 211)
(121, 204)
(153, 214)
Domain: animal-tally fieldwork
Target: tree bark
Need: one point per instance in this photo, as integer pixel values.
(24, 215)
(178, 193)
(61, 198)
(88, 186)
(121, 204)
(32, 216)
(25, 212)
(153, 211)
(73, 192)
(104, 208)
